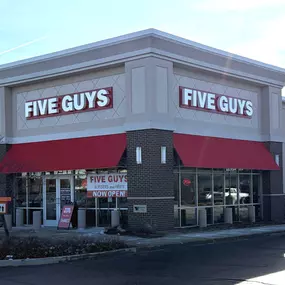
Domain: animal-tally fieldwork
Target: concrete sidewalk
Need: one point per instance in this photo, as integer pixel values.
(203, 237)
(191, 236)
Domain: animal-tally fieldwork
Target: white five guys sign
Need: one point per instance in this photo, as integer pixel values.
(211, 102)
(107, 185)
(97, 99)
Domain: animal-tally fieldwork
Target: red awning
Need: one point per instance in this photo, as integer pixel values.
(211, 152)
(67, 154)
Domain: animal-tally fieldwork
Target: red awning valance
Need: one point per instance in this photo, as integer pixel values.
(67, 154)
(211, 152)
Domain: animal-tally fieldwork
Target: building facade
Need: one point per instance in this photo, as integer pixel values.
(150, 124)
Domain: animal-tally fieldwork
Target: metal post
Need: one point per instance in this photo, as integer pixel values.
(5, 226)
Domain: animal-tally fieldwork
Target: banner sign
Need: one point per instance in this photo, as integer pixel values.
(107, 185)
(65, 217)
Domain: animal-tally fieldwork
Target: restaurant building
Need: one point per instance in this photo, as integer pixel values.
(153, 125)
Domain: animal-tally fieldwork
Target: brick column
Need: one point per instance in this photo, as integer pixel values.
(273, 196)
(150, 183)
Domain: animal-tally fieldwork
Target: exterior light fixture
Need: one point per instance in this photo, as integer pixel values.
(163, 154)
(139, 155)
(277, 159)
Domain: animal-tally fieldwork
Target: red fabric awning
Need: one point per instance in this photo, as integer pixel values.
(211, 152)
(68, 154)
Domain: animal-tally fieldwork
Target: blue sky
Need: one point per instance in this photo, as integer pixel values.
(252, 28)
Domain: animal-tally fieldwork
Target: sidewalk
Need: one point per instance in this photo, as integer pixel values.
(203, 237)
(197, 236)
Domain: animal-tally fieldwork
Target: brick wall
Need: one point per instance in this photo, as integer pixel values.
(273, 199)
(151, 182)
(6, 181)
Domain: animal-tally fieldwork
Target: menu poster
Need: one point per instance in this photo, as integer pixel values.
(65, 217)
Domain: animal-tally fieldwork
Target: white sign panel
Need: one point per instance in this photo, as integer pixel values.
(140, 209)
(3, 209)
(212, 102)
(107, 185)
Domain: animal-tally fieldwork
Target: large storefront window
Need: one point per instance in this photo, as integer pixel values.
(48, 192)
(214, 190)
(29, 195)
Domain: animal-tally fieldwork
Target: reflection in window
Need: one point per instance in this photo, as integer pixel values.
(188, 189)
(218, 215)
(231, 193)
(21, 192)
(204, 189)
(81, 190)
(215, 189)
(122, 202)
(244, 189)
(256, 188)
(29, 194)
(218, 189)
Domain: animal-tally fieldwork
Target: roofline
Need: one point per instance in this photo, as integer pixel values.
(140, 34)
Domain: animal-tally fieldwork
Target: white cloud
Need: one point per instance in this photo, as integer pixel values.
(269, 47)
(22, 45)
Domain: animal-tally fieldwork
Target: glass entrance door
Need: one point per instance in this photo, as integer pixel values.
(58, 191)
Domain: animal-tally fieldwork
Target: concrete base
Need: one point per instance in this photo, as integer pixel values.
(19, 217)
(251, 214)
(37, 220)
(115, 218)
(8, 219)
(81, 219)
(228, 216)
(202, 218)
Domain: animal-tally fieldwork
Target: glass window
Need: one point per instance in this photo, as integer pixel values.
(123, 202)
(188, 217)
(209, 213)
(219, 170)
(243, 214)
(51, 199)
(256, 188)
(107, 203)
(231, 193)
(244, 189)
(188, 189)
(35, 192)
(81, 190)
(21, 192)
(218, 215)
(176, 188)
(91, 218)
(204, 189)
(209, 170)
(218, 189)
(248, 171)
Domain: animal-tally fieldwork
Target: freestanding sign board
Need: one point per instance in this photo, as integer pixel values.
(3, 208)
(3, 211)
(65, 217)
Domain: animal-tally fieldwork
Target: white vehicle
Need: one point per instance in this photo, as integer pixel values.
(218, 195)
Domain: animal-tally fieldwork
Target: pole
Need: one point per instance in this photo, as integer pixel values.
(5, 226)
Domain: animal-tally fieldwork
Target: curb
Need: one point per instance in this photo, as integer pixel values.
(204, 241)
(60, 259)
(135, 248)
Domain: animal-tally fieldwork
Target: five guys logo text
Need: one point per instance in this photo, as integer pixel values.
(211, 102)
